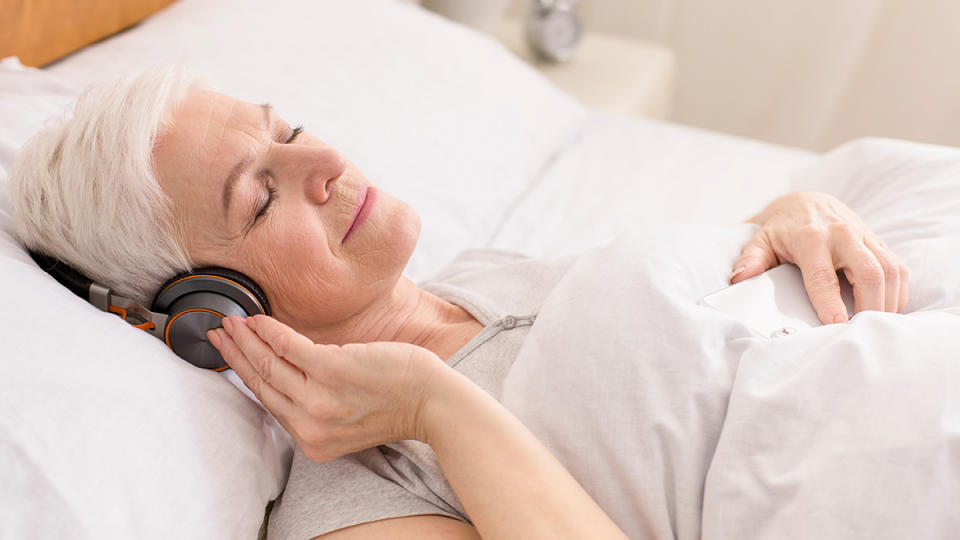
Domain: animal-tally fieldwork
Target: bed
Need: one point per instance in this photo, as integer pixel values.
(105, 433)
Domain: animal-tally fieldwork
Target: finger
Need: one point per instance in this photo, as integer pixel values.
(904, 289)
(820, 277)
(274, 400)
(276, 371)
(755, 258)
(891, 274)
(863, 271)
(903, 295)
(286, 342)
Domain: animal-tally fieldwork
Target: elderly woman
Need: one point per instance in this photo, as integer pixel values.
(389, 388)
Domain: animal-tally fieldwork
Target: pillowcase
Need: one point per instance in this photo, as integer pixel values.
(28, 97)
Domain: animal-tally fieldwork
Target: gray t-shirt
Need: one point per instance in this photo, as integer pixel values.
(504, 292)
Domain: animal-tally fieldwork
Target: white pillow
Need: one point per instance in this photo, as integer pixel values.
(28, 97)
(130, 441)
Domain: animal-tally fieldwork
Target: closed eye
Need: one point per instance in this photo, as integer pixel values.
(272, 191)
(271, 197)
(296, 131)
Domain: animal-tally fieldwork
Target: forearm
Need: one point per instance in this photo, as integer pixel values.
(509, 483)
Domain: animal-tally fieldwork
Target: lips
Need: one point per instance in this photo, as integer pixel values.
(367, 199)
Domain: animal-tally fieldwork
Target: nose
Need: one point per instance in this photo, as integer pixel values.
(316, 167)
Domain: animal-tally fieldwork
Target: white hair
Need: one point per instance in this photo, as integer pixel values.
(85, 191)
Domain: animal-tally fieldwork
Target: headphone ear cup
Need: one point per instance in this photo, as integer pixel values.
(196, 302)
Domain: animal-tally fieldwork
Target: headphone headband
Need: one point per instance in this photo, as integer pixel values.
(186, 307)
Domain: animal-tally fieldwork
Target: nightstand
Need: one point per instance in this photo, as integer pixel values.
(607, 72)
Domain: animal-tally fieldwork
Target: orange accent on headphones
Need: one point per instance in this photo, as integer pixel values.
(123, 314)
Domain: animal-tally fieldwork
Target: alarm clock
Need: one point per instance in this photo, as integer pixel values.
(553, 29)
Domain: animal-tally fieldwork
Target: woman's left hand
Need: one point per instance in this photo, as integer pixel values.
(821, 235)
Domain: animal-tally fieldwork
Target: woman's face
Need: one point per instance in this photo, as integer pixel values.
(252, 194)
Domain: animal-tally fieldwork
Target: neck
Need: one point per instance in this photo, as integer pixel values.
(408, 315)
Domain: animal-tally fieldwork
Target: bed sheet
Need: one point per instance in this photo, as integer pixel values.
(624, 172)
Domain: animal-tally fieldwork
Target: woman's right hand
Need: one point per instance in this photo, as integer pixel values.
(333, 399)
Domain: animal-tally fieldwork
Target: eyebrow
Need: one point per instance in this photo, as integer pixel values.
(239, 168)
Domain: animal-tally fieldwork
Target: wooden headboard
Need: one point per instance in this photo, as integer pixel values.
(41, 31)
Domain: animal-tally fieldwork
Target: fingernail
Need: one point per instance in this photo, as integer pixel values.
(737, 270)
(840, 319)
(226, 323)
(212, 337)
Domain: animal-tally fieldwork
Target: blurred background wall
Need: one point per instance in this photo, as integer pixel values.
(808, 73)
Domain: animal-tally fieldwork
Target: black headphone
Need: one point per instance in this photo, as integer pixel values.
(185, 307)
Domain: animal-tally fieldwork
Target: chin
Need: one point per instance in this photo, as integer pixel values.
(407, 232)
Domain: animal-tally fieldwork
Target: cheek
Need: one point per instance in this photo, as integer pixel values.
(300, 287)
(307, 283)
(295, 235)
(301, 277)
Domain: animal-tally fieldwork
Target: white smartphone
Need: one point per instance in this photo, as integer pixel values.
(775, 303)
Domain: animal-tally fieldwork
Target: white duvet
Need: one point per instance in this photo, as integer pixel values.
(682, 421)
